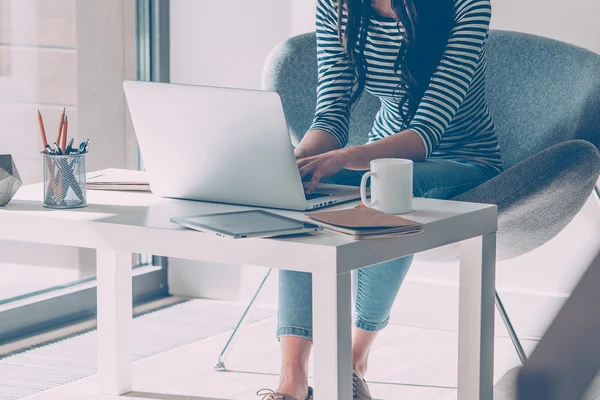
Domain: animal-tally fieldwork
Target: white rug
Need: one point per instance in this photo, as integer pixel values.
(74, 358)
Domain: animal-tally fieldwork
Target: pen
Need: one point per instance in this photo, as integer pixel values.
(56, 149)
(69, 146)
(42, 131)
(83, 147)
(58, 181)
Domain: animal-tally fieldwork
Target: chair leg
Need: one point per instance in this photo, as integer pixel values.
(220, 364)
(511, 330)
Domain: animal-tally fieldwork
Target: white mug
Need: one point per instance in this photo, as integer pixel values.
(391, 186)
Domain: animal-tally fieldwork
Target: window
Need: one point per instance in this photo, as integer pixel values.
(69, 54)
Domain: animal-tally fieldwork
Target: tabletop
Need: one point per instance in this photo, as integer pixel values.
(139, 222)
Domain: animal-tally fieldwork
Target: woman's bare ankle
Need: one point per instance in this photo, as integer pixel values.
(295, 353)
(361, 347)
(360, 369)
(293, 382)
(360, 362)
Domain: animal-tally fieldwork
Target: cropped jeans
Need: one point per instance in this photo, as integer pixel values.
(375, 287)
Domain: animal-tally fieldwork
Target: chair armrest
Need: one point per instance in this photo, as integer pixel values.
(536, 198)
(539, 196)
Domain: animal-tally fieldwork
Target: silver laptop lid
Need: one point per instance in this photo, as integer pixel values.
(215, 144)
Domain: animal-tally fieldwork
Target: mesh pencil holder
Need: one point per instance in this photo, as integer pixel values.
(64, 180)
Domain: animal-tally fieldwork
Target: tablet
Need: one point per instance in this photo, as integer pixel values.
(243, 224)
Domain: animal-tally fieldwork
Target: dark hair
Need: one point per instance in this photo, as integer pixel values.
(427, 25)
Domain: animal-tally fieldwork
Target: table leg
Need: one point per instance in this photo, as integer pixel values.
(476, 318)
(332, 336)
(114, 322)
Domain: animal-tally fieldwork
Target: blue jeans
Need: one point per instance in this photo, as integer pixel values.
(375, 287)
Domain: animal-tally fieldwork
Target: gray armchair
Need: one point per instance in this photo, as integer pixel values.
(545, 99)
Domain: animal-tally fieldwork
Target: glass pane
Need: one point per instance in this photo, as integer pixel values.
(37, 71)
(60, 55)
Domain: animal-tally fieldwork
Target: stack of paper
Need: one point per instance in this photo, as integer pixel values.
(365, 223)
(134, 181)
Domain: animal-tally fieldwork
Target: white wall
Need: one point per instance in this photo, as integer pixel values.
(573, 21)
(224, 43)
(302, 16)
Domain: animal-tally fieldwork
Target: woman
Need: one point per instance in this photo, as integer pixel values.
(427, 65)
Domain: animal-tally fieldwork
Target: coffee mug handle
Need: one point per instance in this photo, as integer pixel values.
(363, 189)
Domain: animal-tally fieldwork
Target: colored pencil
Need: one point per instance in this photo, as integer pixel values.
(64, 135)
(42, 131)
(60, 126)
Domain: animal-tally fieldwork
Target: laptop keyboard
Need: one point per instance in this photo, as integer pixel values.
(315, 195)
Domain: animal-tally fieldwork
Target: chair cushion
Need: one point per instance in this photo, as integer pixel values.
(536, 198)
(550, 87)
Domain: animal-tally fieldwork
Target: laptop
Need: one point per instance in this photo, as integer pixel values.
(221, 145)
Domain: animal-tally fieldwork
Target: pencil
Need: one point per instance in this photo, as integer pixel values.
(42, 131)
(60, 126)
(64, 135)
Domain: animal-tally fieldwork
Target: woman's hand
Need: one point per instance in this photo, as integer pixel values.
(321, 166)
(406, 144)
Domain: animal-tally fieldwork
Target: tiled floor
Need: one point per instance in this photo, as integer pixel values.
(407, 363)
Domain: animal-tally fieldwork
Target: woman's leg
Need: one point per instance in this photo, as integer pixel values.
(445, 179)
(375, 288)
(294, 331)
(295, 317)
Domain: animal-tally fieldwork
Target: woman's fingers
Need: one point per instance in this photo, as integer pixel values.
(314, 182)
(307, 170)
(305, 161)
(314, 171)
(315, 174)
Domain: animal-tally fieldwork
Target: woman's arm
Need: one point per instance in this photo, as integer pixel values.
(406, 144)
(316, 142)
(452, 79)
(329, 130)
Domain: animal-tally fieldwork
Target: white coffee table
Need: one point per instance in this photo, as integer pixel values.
(118, 224)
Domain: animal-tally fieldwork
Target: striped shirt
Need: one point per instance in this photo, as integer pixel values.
(452, 119)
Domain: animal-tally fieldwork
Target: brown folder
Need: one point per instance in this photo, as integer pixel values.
(365, 223)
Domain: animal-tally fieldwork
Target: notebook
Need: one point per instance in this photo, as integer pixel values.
(365, 223)
(123, 180)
